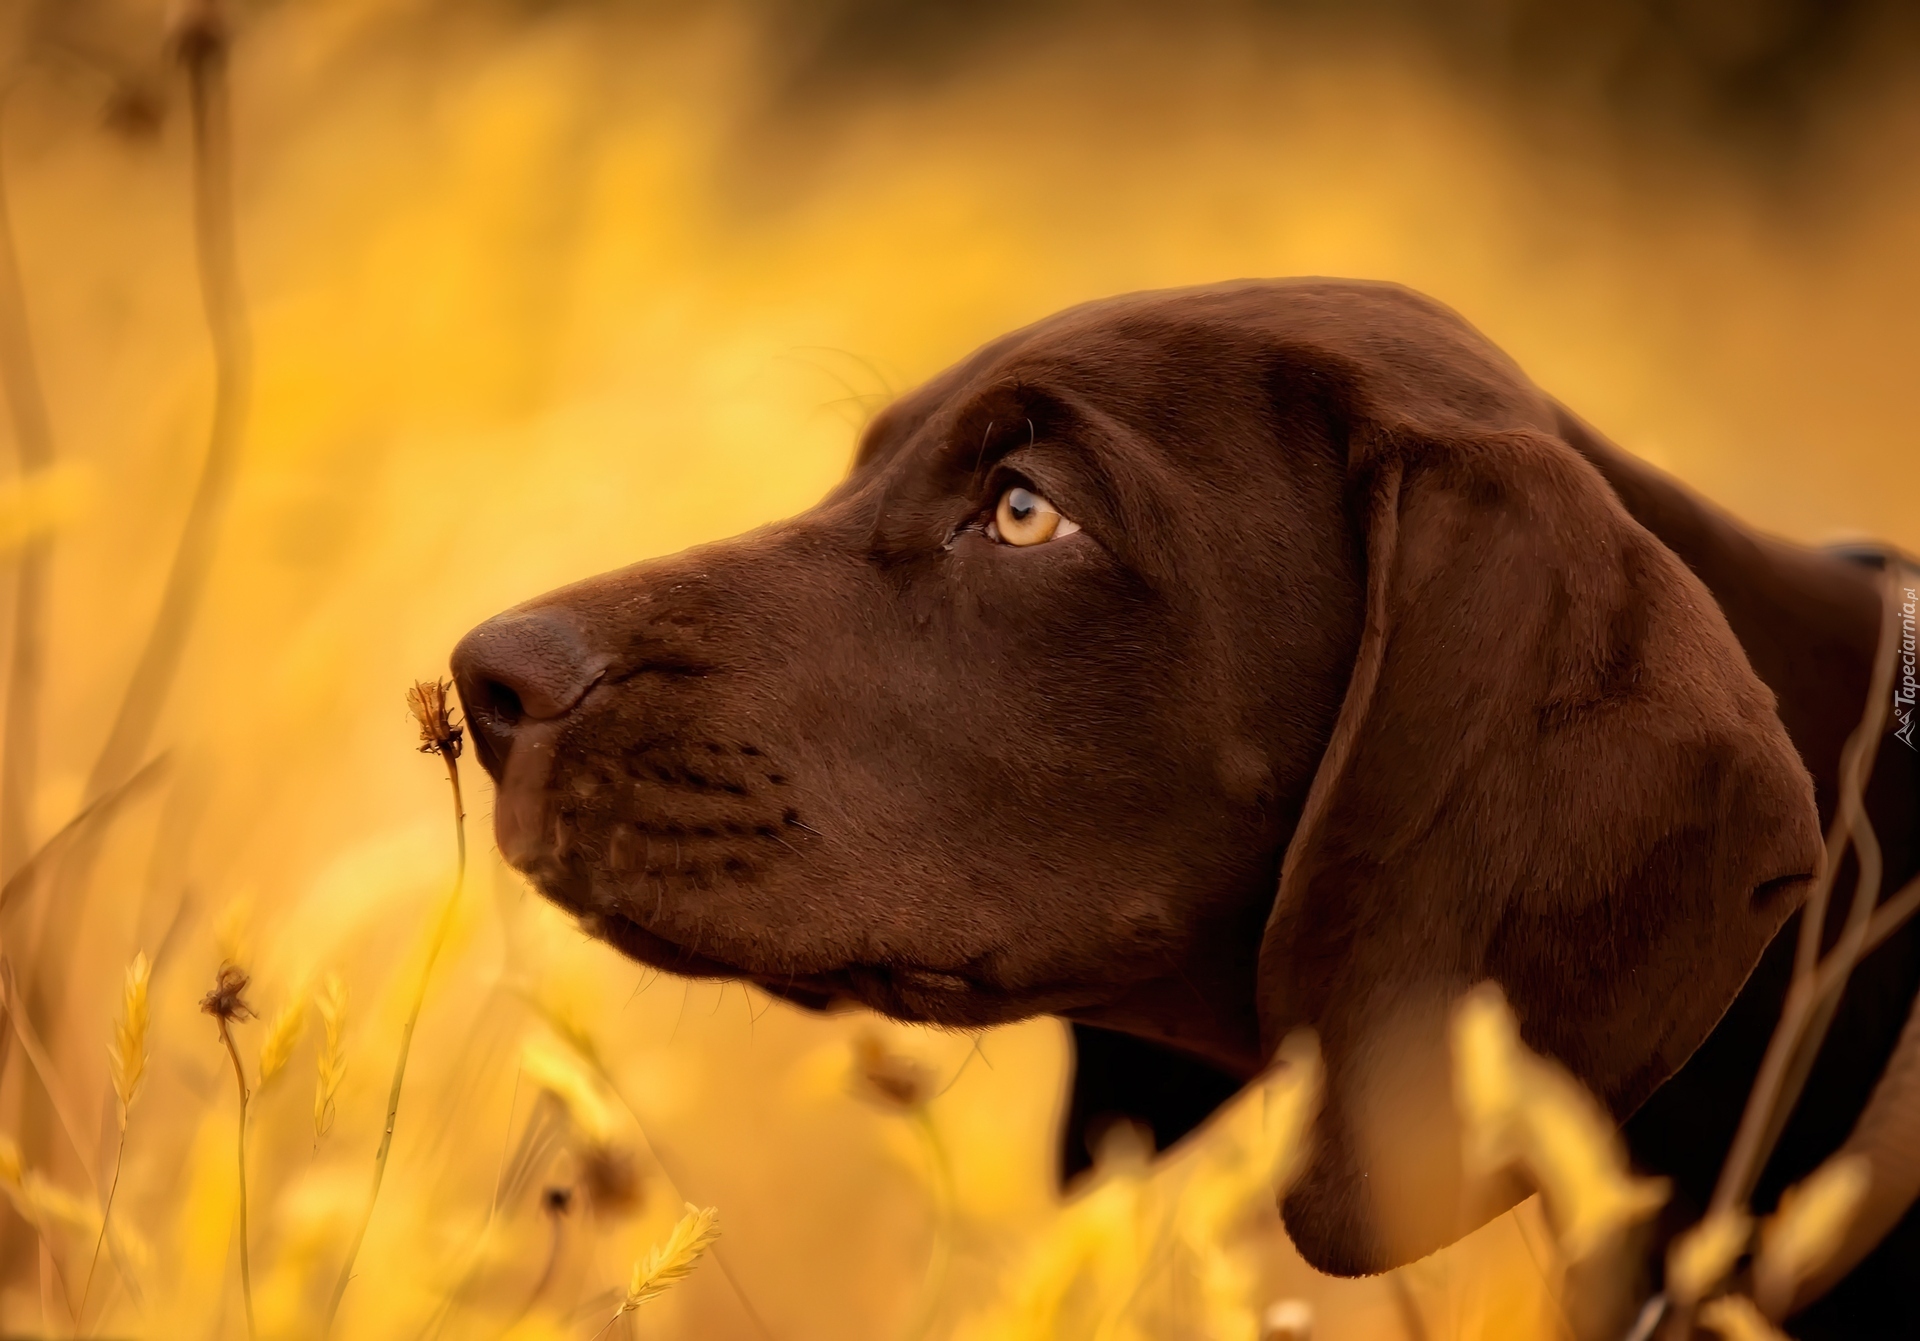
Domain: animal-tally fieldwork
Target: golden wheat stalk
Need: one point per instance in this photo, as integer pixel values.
(670, 1261)
(283, 1034)
(127, 1059)
(439, 734)
(330, 1063)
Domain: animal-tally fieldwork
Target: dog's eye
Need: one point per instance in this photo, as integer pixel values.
(1024, 517)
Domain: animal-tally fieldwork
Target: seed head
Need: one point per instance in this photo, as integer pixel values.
(672, 1261)
(331, 1061)
(227, 1002)
(888, 1078)
(282, 1034)
(129, 1053)
(439, 734)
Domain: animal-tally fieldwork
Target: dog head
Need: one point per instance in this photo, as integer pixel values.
(1205, 664)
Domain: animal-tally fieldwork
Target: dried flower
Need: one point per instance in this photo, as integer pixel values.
(1804, 1232)
(283, 1032)
(888, 1078)
(331, 1061)
(227, 1002)
(1520, 1108)
(1701, 1258)
(1736, 1319)
(128, 1057)
(672, 1261)
(611, 1179)
(439, 734)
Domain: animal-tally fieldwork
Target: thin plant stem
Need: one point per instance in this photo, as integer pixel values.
(240, 1081)
(203, 46)
(1814, 978)
(441, 926)
(106, 1214)
(202, 42)
(1814, 992)
(42, 1063)
(33, 438)
(666, 1159)
(940, 1253)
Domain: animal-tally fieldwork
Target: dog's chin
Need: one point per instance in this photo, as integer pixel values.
(913, 993)
(916, 995)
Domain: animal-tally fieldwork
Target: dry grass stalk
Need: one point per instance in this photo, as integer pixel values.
(227, 1003)
(330, 1063)
(576, 1035)
(1701, 1258)
(899, 1083)
(440, 735)
(41, 1061)
(1518, 1108)
(33, 438)
(200, 38)
(671, 1261)
(1803, 1233)
(127, 1060)
(283, 1034)
(1817, 982)
(1735, 1318)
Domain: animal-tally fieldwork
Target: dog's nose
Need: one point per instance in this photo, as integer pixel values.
(520, 667)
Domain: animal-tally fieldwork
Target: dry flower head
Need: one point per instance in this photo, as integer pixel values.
(227, 1002)
(439, 733)
(610, 1176)
(887, 1077)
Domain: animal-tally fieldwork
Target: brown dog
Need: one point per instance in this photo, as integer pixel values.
(1201, 665)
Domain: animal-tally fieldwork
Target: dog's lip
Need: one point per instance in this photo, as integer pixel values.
(626, 934)
(853, 982)
(520, 798)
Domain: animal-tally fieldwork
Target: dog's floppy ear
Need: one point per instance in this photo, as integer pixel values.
(1554, 768)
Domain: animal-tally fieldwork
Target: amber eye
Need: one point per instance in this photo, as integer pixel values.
(1024, 517)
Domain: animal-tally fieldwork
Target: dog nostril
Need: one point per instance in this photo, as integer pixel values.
(504, 702)
(518, 668)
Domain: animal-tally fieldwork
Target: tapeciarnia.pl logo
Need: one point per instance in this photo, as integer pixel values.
(1907, 684)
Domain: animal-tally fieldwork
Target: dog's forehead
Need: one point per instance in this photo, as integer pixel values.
(1391, 355)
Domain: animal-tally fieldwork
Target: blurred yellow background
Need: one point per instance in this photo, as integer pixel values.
(542, 289)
